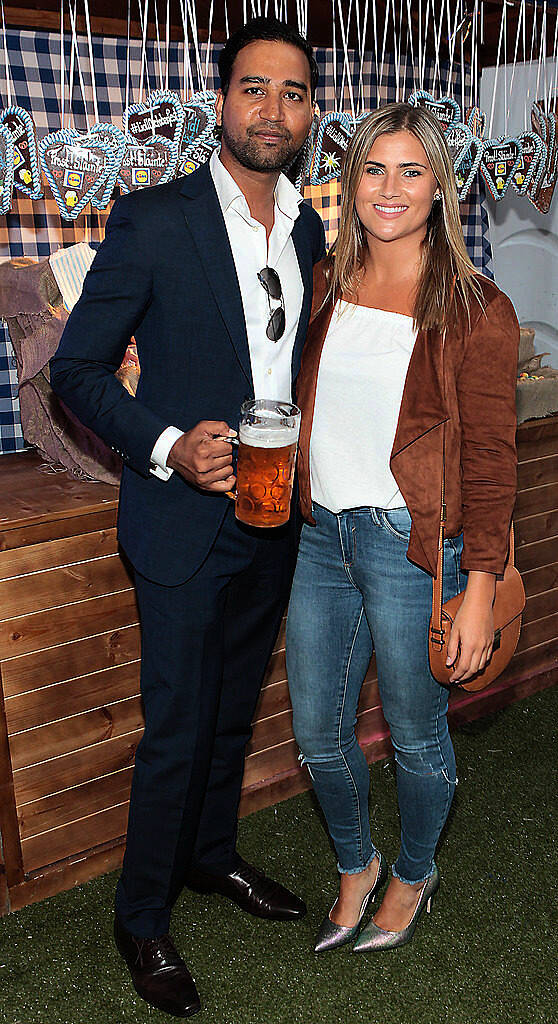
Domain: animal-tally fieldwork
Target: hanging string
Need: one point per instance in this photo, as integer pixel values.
(207, 52)
(191, 7)
(541, 47)
(78, 63)
(533, 41)
(386, 21)
(8, 83)
(473, 82)
(334, 53)
(423, 49)
(227, 17)
(437, 38)
(491, 124)
(188, 77)
(346, 62)
(158, 41)
(71, 78)
(91, 59)
(62, 64)
(396, 50)
(128, 20)
(167, 45)
(410, 39)
(345, 24)
(520, 25)
(362, 49)
(452, 39)
(375, 27)
(552, 98)
(144, 68)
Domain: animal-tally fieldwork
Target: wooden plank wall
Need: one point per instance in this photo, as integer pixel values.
(72, 717)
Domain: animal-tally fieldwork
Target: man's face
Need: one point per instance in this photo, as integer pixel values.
(267, 112)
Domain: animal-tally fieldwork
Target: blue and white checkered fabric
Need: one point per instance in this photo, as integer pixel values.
(34, 227)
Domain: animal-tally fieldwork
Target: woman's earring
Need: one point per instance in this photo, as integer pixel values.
(437, 195)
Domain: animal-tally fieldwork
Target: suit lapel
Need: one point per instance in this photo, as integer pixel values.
(301, 242)
(205, 222)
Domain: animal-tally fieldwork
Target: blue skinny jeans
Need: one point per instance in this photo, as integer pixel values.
(354, 591)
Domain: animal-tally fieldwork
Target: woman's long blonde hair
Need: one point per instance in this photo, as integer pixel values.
(448, 281)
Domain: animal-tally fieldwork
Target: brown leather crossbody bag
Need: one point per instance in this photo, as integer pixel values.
(509, 602)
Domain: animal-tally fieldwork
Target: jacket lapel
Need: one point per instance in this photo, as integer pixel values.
(301, 242)
(422, 404)
(206, 224)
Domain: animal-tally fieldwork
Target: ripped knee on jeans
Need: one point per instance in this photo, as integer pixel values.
(420, 762)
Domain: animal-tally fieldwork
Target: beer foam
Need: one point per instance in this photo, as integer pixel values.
(259, 435)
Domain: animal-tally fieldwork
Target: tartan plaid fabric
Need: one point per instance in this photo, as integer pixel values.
(34, 227)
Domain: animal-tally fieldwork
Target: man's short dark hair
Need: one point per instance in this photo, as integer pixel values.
(269, 29)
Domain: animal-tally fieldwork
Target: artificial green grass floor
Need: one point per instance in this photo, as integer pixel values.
(486, 955)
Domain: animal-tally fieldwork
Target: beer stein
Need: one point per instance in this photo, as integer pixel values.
(267, 443)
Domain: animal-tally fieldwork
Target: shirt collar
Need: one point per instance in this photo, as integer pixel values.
(287, 198)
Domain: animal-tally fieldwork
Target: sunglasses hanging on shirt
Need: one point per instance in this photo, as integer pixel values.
(269, 280)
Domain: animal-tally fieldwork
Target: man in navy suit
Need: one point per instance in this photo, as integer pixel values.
(180, 269)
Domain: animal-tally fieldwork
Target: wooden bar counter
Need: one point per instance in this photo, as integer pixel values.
(70, 712)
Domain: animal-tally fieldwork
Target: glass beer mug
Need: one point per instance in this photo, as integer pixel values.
(267, 442)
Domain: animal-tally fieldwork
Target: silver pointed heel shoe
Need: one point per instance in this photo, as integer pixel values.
(331, 935)
(372, 937)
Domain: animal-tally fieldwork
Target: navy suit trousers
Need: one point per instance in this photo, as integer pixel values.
(205, 647)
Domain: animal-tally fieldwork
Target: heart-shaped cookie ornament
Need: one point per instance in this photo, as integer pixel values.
(196, 154)
(147, 165)
(200, 117)
(6, 169)
(27, 173)
(446, 110)
(476, 120)
(113, 137)
(300, 167)
(532, 163)
(466, 152)
(76, 167)
(540, 193)
(161, 116)
(332, 139)
(500, 160)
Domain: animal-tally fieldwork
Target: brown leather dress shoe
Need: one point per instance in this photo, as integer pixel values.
(251, 890)
(159, 974)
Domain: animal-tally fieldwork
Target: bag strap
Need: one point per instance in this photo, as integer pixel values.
(436, 631)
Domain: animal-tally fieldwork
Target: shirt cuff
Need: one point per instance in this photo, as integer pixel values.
(160, 453)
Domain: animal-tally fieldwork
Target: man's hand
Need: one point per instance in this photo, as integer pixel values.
(203, 457)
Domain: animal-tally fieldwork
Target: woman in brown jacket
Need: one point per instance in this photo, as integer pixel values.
(407, 344)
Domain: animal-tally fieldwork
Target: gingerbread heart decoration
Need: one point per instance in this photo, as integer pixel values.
(332, 139)
(200, 118)
(540, 193)
(27, 173)
(76, 167)
(161, 115)
(150, 164)
(117, 142)
(196, 154)
(299, 169)
(532, 163)
(476, 121)
(499, 163)
(466, 152)
(6, 169)
(446, 110)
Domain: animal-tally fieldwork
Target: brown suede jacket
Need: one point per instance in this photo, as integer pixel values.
(477, 376)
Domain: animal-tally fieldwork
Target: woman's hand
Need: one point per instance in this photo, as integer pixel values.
(472, 635)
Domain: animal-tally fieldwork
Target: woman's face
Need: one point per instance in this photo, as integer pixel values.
(396, 190)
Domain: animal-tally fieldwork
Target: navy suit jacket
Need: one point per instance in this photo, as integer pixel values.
(165, 274)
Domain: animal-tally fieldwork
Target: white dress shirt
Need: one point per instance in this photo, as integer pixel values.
(362, 373)
(270, 361)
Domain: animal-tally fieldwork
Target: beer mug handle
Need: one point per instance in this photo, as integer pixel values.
(234, 441)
